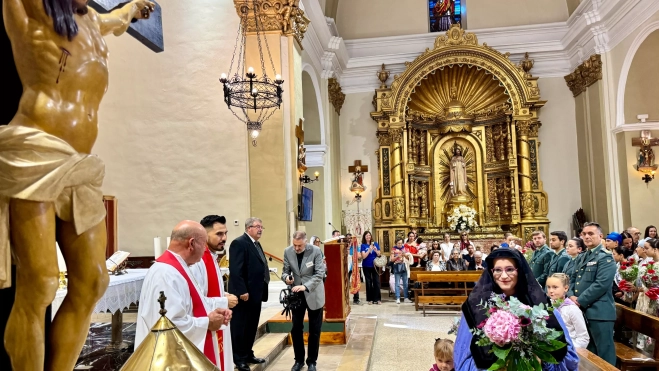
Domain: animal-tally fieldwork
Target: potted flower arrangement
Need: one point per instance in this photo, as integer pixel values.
(518, 334)
(463, 218)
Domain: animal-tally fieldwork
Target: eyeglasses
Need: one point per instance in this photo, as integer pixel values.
(257, 227)
(510, 271)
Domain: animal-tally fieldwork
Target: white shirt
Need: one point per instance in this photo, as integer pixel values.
(447, 248)
(164, 277)
(576, 325)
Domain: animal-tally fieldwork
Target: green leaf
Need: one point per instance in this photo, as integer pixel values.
(535, 363)
(501, 353)
(557, 344)
(545, 356)
(497, 365)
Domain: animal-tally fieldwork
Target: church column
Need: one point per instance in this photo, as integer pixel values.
(273, 176)
(524, 166)
(397, 189)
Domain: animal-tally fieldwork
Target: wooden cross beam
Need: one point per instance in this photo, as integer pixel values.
(358, 168)
(147, 31)
(645, 142)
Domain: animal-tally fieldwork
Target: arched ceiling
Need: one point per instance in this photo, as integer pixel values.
(475, 88)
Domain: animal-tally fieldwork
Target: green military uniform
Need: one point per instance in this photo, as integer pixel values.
(558, 261)
(569, 266)
(539, 262)
(591, 283)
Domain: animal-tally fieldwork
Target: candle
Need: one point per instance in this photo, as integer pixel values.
(157, 248)
(169, 240)
(61, 264)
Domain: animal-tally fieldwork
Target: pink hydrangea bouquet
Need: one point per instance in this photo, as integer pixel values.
(518, 334)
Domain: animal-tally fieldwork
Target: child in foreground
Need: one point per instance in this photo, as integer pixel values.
(557, 285)
(443, 355)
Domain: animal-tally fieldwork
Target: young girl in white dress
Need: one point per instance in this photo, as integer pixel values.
(557, 285)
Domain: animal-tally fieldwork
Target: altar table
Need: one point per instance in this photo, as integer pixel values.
(122, 291)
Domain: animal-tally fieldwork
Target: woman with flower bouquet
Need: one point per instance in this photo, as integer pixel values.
(648, 281)
(508, 322)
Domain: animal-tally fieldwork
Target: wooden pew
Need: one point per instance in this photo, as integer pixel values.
(444, 301)
(591, 362)
(645, 324)
(450, 291)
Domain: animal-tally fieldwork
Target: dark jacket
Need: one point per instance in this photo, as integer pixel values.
(248, 269)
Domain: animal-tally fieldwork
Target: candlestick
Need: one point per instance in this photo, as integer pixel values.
(169, 240)
(157, 248)
(61, 264)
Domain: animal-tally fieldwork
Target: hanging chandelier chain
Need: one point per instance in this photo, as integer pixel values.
(235, 47)
(258, 38)
(267, 48)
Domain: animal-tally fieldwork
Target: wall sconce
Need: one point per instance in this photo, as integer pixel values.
(305, 179)
(647, 178)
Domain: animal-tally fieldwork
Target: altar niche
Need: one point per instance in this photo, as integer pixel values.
(459, 127)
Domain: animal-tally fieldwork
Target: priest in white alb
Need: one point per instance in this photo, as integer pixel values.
(198, 317)
(207, 273)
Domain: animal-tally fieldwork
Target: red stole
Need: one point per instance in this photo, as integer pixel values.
(198, 309)
(214, 292)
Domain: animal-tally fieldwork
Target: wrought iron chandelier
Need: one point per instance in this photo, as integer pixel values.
(244, 90)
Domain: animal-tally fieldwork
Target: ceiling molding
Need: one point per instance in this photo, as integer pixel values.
(326, 49)
(637, 126)
(315, 155)
(558, 48)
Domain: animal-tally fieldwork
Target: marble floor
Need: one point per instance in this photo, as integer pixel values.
(403, 340)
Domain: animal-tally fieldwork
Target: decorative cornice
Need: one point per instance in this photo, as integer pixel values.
(637, 126)
(274, 15)
(558, 48)
(315, 155)
(325, 48)
(336, 96)
(585, 75)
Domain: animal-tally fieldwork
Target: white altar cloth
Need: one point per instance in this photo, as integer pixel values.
(122, 291)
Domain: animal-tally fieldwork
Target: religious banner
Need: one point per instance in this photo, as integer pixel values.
(356, 222)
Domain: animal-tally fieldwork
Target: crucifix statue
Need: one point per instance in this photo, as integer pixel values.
(358, 171)
(50, 189)
(645, 153)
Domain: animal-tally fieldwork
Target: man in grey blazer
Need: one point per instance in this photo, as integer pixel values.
(304, 268)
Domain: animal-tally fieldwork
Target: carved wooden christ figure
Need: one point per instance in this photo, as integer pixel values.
(458, 172)
(49, 183)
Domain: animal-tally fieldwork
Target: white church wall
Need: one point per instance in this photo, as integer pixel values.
(642, 90)
(559, 166)
(171, 147)
(358, 19)
(643, 198)
(358, 142)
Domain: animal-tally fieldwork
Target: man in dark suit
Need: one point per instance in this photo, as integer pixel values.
(248, 279)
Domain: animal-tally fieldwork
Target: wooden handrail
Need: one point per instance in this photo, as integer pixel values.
(271, 257)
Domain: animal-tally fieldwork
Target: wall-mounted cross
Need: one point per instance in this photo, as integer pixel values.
(146, 31)
(358, 168)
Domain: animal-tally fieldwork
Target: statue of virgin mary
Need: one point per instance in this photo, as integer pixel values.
(458, 172)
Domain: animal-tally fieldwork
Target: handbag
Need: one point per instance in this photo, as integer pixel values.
(380, 261)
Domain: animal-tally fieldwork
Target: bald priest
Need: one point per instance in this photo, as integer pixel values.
(198, 317)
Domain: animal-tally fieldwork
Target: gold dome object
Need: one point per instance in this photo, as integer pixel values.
(166, 348)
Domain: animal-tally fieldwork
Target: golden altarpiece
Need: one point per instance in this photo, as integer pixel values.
(470, 105)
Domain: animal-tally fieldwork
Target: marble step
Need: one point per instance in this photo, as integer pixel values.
(268, 347)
